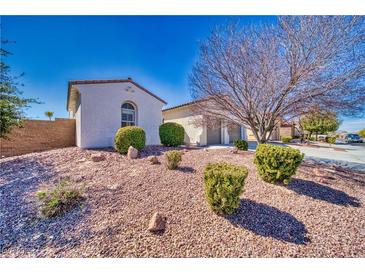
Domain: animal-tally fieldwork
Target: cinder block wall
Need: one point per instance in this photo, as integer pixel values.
(39, 135)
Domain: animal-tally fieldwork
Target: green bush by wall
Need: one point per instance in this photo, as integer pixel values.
(129, 136)
(171, 134)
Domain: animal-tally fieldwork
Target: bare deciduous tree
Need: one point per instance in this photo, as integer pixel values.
(261, 74)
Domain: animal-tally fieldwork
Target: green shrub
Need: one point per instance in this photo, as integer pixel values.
(362, 133)
(58, 200)
(277, 164)
(129, 136)
(240, 144)
(330, 139)
(311, 139)
(223, 186)
(171, 134)
(173, 158)
(286, 139)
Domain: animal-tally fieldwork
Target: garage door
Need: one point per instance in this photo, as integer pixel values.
(213, 136)
(234, 133)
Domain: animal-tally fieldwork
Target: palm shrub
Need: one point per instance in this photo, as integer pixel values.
(60, 199)
(223, 186)
(286, 139)
(129, 136)
(173, 158)
(277, 164)
(171, 134)
(240, 144)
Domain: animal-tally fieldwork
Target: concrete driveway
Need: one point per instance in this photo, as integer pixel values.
(344, 155)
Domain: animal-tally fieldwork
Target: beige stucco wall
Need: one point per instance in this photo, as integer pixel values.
(195, 134)
(99, 115)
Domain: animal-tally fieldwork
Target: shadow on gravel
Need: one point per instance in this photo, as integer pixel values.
(186, 169)
(268, 221)
(322, 192)
(20, 227)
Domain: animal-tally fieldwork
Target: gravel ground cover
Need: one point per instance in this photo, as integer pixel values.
(315, 216)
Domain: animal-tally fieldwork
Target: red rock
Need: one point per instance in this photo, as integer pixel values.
(157, 222)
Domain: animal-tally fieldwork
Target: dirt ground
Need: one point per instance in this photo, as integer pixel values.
(308, 218)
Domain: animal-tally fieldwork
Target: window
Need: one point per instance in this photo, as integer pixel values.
(128, 115)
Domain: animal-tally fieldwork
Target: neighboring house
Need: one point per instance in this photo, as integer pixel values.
(101, 107)
(196, 133)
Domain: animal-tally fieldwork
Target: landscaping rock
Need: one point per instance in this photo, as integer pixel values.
(97, 157)
(234, 150)
(132, 153)
(157, 223)
(153, 160)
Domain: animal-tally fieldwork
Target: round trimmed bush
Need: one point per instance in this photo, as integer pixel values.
(129, 136)
(277, 164)
(286, 139)
(331, 139)
(171, 134)
(223, 186)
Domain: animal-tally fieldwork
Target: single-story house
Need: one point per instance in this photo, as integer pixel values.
(101, 107)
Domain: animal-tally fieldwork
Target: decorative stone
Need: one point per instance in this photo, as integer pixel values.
(157, 222)
(318, 172)
(152, 159)
(234, 150)
(132, 153)
(97, 157)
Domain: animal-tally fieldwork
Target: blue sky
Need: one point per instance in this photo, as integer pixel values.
(156, 51)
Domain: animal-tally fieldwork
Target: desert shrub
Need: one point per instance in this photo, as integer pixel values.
(223, 186)
(129, 136)
(171, 134)
(362, 133)
(286, 139)
(59, 199)
(330, 139)
(173, 158)
(277, 164)
(240, 144)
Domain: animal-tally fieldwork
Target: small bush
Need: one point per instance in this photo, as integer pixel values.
(311, 139)
(286, 139)
(240, 144)
(58, 200)
(173, 158)
(171, 134)
(223, 186)
(330, 139)
(129, 136)
(277, 164)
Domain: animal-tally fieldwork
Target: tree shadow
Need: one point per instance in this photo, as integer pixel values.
(322, 192)
(20, 226)
(268, 221)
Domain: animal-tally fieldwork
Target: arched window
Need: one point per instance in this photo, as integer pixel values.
(128, 115)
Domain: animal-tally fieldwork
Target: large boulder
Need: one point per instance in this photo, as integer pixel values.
(132, 153)
(157, 223)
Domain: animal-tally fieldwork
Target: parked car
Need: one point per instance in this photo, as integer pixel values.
(353, 138)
